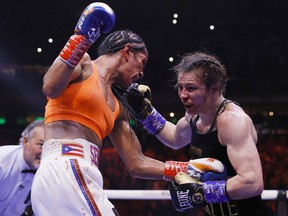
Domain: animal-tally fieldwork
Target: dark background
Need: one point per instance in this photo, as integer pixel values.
(250, 37)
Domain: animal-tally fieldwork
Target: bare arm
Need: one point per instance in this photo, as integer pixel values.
(171, 135)
(176, 136)
(128, 146)
(60, 74)
(237, 132)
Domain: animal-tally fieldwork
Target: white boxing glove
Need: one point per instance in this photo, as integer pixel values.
(203, 169)
(206, 169)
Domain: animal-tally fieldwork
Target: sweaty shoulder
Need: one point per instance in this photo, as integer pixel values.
(233, 121)
(233, 114)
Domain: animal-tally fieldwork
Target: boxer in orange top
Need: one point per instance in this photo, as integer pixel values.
(81, 111)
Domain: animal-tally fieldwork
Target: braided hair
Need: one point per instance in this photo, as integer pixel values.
(117, 40)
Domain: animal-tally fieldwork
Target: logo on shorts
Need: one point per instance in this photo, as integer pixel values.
(72, 150)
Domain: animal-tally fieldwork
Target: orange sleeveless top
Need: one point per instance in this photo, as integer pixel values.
(86, 104)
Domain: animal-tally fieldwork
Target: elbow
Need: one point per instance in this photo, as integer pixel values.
(136, 168)
(134, 171)
(49, 91)
(257, 185)
(257, 190)
(175, 147)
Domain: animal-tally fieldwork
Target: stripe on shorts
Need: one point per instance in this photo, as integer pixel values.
(84, 189)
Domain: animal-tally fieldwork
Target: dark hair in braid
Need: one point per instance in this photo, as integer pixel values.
(117, 40)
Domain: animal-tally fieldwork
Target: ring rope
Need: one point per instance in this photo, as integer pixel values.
(165, 194)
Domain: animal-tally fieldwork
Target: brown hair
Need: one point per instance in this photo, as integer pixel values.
(210, 67)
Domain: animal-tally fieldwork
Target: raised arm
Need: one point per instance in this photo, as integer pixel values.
(97, 18)
(59, 75)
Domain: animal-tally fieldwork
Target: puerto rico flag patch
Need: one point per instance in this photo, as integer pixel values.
(72, 150)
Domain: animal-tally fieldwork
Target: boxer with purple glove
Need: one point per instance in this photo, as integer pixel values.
(81, 111)
(97, 18)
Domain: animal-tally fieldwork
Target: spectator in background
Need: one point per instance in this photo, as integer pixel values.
(18, 164)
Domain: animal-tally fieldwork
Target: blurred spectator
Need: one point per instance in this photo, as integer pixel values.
(18, 164)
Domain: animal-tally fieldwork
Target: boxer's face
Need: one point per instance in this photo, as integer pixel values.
(192, 92)
(132, 68)
(33, 147)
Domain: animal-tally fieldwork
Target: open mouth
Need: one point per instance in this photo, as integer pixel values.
(188, 106)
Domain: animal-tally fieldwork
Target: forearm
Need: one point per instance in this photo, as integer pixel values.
(175, 136)
(168, 136)
(245, 160)
(146, 168)
(244, 187)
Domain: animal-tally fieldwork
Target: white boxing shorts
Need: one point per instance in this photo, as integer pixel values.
(68, 181)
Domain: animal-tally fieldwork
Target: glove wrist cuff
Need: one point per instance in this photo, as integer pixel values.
(215, 192)
(172, 168)
(74, 49)
(154, 122)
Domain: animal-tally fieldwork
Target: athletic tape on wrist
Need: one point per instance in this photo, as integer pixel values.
(172, 168)
(215, 192)
(74, 49)
(154, 122)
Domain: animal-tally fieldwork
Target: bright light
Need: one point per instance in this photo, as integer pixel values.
(50, 40)
(174, 21)
(171, 59)
(212, 27)
(175, 15)
(172, 114)
(39, 50)
(271, 113)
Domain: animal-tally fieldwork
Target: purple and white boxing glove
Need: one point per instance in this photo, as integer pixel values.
(97, 18)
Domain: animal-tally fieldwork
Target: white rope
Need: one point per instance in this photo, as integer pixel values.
(165, 194)
(139, 194)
